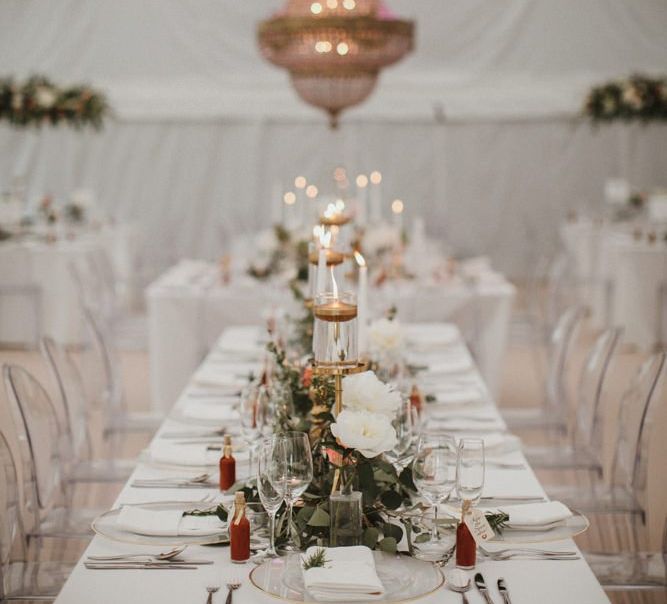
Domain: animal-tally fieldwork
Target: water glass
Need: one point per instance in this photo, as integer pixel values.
(470, 469)
(269, 488)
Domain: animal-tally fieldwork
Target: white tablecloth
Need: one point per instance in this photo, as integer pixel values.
(546, 582)
(188, 306)
(621, 279)
(45, 267)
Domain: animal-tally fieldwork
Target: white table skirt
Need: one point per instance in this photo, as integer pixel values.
(529, 581)
(623, 281)
(45, 267)
(187, 307)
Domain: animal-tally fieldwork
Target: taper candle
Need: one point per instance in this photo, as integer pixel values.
(362, 304)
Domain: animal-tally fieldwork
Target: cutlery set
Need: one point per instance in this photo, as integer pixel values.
(480, 583)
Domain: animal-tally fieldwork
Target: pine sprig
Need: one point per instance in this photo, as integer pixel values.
(497, 521)
(220, 511)
(316, 560)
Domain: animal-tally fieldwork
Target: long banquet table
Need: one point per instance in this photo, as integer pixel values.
(531, 581)
(188, 304)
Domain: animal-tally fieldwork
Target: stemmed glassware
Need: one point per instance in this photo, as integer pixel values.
(270, 488)
(470, 469)
(434, 475)
(404, 425)
(293, 472)
(251, 420)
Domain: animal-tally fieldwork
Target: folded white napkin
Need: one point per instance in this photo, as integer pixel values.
(450, 365)
(458, 396)
(348, 576)
(213, 376)
(166, 523)
(493, 440)
(219, 412)
(465, 424)
(536, 514)
(183, 455)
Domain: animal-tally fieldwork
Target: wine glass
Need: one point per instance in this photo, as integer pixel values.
(434, 475)
(270, 489)
(251, 420)
(293, 473)
(470, 469)
(403, 423)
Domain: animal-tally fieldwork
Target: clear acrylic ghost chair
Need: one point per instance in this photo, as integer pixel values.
(553, 413)
(77, 454)
(20, 578)
(624, 492)
(585, 448)
(47, 498)
(100, 363)
(631, 571)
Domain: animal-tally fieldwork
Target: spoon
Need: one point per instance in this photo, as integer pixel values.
(195, 479)
(169, 555)
(455, 584)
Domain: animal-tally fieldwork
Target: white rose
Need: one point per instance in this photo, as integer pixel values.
(385, 335)
(631, 96)
(369, 433)
(45, 97)
(365, 392)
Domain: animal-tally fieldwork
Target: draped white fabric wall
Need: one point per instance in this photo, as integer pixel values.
(204, 128)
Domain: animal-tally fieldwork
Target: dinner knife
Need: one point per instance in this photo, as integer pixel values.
(504, 592)
(481, 588)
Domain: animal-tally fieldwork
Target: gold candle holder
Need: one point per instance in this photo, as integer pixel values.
(338, 219)
(333, 257)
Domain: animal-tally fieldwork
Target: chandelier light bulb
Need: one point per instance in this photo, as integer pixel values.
(316, 8)
(376, 177)
(300, 182)
(311, 191)
(289, 198)
(349, 4)
(332, 4)
(362, 180)
(342, 48)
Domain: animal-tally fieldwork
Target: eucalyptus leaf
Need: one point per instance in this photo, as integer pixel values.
(370, 537)
(391, 499)
(320, 518)
(392, 530)
(423, 538)
(388, 544)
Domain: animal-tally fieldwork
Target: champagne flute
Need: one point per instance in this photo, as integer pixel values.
(434, 475)
(294, 472)
(251, 420)
(270, 489)
(470, 469)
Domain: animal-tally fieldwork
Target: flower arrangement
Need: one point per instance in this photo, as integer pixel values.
(38, 101)
(277, 251)
(350, 446)
(637, 98)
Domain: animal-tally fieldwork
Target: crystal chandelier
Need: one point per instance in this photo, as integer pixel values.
(334, 49)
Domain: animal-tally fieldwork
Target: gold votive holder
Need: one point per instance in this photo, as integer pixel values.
(333, 257)
(335, 331)
(335, 219)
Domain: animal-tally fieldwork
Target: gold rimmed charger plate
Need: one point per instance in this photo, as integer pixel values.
(405, 579)
(106, 526)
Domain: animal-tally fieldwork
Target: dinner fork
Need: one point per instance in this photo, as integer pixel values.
(508, 551)
(232, 586)
(211, 590)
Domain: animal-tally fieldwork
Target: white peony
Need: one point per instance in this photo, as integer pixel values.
(385, 336)
(45, 97)
(365, 392)
(369, 433)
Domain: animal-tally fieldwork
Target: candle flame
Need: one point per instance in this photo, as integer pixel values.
(360, 259)
(331, 211)
(340, 205)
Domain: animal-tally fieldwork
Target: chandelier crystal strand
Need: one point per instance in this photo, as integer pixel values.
(334, 49)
